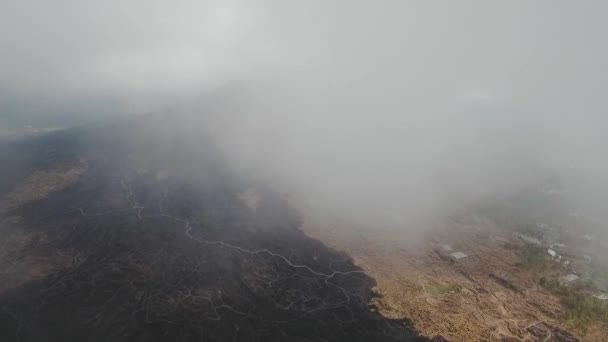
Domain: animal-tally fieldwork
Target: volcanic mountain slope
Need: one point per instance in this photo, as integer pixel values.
(136, 233)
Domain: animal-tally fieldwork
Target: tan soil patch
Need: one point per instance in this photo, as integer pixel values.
(468, 300)
(42, 183)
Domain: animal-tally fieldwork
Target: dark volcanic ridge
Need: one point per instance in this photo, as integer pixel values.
(154, 243)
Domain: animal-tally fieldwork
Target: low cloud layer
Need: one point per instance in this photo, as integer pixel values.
(395, 110)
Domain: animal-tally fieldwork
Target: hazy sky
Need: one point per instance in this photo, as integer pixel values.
(413, 101)
(474, 50)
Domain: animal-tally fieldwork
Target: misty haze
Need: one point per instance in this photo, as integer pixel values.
(277, 170)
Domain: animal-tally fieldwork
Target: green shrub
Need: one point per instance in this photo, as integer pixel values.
(581, 309)
(531, 255)
(443, 289)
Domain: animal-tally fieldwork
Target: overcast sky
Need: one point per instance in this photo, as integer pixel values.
(478, 95)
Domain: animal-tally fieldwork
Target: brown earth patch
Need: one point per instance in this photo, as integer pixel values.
(484, 297)
(41, 183)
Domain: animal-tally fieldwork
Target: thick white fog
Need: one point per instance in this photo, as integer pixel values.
(395, 112)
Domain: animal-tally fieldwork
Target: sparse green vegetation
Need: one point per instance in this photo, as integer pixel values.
(581, 309)
(443, 289)
(532, 256)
